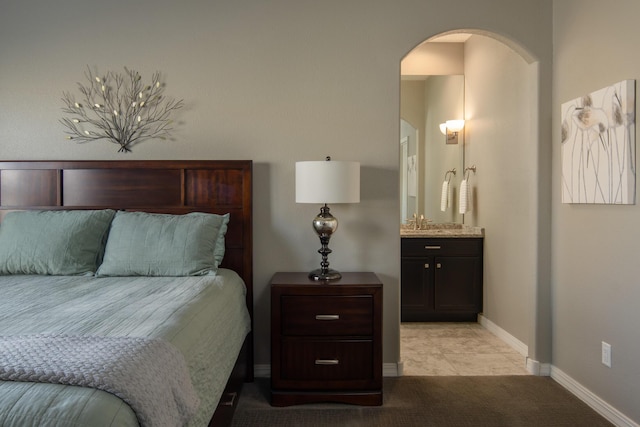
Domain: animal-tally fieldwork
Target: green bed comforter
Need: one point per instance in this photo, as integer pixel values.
(204, 317)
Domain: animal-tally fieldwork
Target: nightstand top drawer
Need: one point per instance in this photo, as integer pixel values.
(327, 315)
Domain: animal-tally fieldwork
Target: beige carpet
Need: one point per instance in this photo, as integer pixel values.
(496, 401)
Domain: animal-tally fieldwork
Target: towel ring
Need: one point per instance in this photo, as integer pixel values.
(466, 171)
(447, 174)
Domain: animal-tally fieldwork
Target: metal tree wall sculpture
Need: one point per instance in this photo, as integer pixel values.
(119, 108)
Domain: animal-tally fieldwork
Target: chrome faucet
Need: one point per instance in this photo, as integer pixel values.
(423, 222)
(413, 222)
(418, 223)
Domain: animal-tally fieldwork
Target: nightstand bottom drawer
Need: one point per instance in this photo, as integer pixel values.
(343, 360)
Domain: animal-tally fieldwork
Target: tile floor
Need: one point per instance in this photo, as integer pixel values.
(435, 349)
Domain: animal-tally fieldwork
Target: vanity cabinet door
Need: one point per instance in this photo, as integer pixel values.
(417, 289)
(457, 286)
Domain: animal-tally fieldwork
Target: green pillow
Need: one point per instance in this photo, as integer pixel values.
(218, 251)
(144, 244)
(53, 242)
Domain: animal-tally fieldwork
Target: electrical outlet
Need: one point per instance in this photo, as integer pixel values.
(606, 354)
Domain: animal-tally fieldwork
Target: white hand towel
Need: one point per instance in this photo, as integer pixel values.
(444, 197)
(464, 205)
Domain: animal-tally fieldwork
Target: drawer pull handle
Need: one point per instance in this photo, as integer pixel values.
(327, 317)
(327, 362)
(438, 265)
(432, 247)
(426, 265)
(230, 399)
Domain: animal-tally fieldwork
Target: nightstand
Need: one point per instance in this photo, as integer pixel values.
(326, 339)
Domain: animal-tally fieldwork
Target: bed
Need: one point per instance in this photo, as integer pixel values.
(175, 323)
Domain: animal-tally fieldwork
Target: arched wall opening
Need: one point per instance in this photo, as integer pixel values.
(502, 139)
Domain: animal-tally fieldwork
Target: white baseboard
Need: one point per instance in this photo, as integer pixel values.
(532, 366)
(505, 336)
(388, 370)
(600, 406)
(262, 371)
(536, 368)
(392, 369)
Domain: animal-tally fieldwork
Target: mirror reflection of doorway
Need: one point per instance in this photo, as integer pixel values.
(408, 170)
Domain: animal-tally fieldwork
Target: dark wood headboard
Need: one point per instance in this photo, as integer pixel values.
(158, 186)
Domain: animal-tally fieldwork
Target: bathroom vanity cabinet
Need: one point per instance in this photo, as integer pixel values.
(441, 279)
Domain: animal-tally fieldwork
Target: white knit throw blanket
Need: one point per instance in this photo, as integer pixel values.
(148, 374)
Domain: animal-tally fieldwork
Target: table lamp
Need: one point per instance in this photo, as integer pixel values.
(327, 182)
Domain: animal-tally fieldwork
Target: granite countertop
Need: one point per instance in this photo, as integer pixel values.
(442, 230)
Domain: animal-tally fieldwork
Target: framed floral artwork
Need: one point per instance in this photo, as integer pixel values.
(598, 146)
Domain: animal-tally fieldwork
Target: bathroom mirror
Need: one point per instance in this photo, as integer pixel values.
(425, 155)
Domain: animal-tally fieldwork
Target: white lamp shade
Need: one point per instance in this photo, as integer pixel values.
(327, 182)
(455, 125)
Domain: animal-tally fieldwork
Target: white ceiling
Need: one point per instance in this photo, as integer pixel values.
(451, 38)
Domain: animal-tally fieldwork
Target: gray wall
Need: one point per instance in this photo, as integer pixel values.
(501, 142)
(274, 81)
(596, 289)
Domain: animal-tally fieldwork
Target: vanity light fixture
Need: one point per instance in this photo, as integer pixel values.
(327, 182)
(451, 128)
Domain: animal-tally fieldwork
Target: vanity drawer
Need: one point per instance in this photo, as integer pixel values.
(324, 361)
(451, 246)
(327, 315)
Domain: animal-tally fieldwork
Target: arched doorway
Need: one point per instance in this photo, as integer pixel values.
(501, 139)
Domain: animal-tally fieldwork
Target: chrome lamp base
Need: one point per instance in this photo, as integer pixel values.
(324, 224)
(320, 275)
